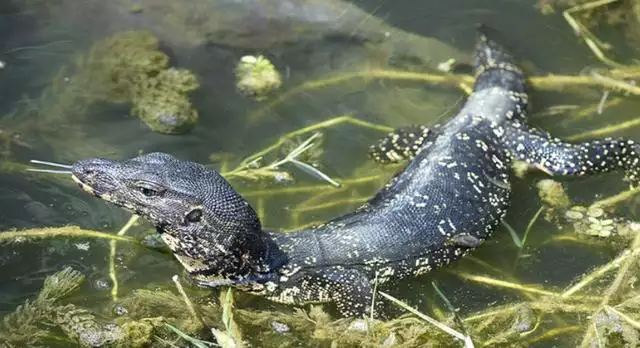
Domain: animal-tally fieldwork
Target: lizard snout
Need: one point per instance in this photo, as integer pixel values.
(93, 174)
(89, 167)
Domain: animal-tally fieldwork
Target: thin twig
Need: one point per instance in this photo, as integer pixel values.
(187, 301)
(313, 128)
(553, 333)
(628, 319)
(606, 130)
(504, 284)
(112, 256)
(599, 272)
(591, 40)
(548, 82)
(334, 203)
(612, 292)
(530, 224)
(450, 307)
(67, 231)
(617, 198)
(291, 190)
(602, 102)
(458, 335)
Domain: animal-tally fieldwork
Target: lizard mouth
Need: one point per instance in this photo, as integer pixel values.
(83, 185)
(90, 190)
(93, 176)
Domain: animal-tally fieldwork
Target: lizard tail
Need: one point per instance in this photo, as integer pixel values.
(494, 65)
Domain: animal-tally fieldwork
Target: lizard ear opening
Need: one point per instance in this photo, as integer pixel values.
(193, 216)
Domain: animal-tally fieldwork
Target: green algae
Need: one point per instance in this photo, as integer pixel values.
(257, 77)
(30, 323)
(162, 101)
(130, 67)
(125, 68)
(44, 320)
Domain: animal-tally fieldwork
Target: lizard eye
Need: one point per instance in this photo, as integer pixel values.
(149, 189)
(148, 192)
(193, 216)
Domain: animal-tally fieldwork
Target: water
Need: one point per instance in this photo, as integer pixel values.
(39, 43)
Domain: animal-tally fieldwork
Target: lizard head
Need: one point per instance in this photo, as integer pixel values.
(203, 220)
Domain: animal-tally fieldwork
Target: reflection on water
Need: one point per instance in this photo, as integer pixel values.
(45, 39)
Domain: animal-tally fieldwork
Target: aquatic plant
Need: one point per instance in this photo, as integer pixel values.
(257, 77)
(584, 15)
(42, 320)
(132, 68)
(553, 197)
(162, 101)
(125, 68)
(30, 323)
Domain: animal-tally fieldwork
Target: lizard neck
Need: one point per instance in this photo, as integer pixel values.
(212, 261)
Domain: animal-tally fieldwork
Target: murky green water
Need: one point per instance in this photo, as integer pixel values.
(38, 40)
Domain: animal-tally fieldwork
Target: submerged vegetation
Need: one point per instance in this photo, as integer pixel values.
(257, 77)
(585, 15)
(597, 309)
(125, 68)
(168, 317)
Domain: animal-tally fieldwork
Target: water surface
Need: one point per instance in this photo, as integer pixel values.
(35, 48)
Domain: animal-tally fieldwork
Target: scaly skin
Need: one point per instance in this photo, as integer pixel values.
(448, 200)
